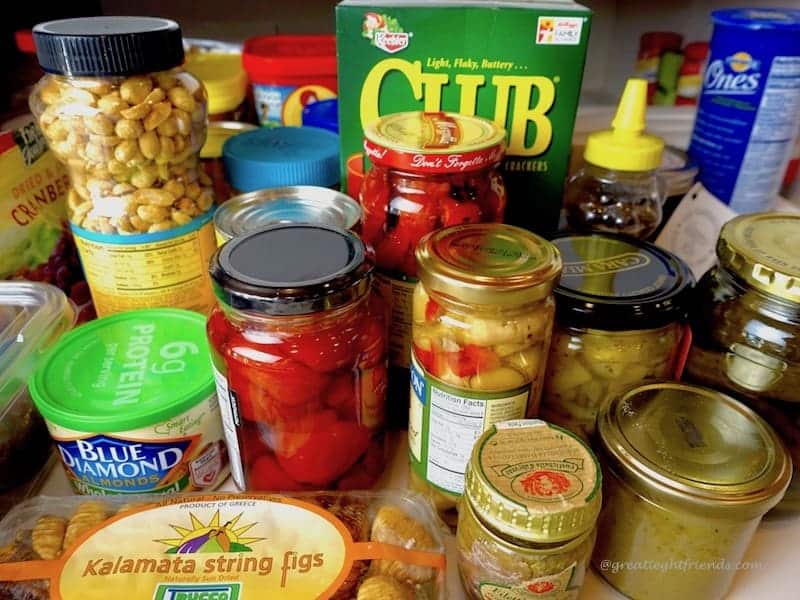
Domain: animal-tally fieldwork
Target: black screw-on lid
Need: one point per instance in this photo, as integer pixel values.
(108, 46)
(291, 269)
(619, 283)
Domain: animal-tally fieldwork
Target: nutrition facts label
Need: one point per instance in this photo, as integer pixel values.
(397, 294)
(444, 424)
(773, 132)
(171, 272)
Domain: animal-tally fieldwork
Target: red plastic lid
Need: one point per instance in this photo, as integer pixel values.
(696, 51)
(661, 40)
(24, 39)
(266, 56)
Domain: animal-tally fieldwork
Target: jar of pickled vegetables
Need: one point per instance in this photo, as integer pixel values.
(688, 474)
(746, 323)
(299, 347)
(482, 318)
(430, 170)
(526, 527)
(118, 109)
(620, 321)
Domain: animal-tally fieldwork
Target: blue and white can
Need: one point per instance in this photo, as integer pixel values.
(749, 110)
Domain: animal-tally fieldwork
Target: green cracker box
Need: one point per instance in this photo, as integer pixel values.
(517, 63)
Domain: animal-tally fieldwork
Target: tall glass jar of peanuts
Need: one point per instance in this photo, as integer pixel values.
(118, 110)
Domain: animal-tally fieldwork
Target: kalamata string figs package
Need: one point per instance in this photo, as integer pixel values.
(400, 300)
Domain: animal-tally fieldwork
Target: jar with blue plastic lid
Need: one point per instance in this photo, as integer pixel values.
(283, 156)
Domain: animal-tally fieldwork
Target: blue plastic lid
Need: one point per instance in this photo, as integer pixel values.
(323, 114)
(758, 18)
(282, 156)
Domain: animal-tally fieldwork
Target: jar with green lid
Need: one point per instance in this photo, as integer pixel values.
(746, 323)
(688, 474)
(526, 527)
(620, 320)
(482, 314)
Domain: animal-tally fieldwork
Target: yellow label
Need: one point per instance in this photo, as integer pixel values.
(536, 464)
(261, 545)
(563, 585)
(398, 296)
(172, 272)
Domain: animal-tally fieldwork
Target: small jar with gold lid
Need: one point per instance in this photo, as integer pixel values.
(482, 317)
(688, 474)
(746, 324)
(526, 525)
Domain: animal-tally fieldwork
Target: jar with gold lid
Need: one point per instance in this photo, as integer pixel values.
(688, 474)
(482, 316)
(746, 323)
(526, 526)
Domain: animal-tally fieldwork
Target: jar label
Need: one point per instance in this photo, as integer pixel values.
(149, 270)
(180, 455)
(445, 421)
(229, 411)
(564, 585)
(541, 465)
(398, 296)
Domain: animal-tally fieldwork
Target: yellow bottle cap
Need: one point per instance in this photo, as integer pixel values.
(626, 146)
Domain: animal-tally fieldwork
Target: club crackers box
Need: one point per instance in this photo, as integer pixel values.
(517, 63)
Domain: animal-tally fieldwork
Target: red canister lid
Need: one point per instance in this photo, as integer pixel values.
(268, 57)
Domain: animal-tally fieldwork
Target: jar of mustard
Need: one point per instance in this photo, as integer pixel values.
(746, 323)
(482, 314)
(689, 472)
(526, 527)
(620, 320)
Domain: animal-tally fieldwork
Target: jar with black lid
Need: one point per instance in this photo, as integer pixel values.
(620, 321)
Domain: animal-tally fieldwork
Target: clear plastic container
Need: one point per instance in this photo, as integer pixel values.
(32, 317)
(482, 317)
(688, 474)
(299, 345)
(119, 110)
(373, 545)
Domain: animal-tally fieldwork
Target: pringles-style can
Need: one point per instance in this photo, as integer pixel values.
(749, 109)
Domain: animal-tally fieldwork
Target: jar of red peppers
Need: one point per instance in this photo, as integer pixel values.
(299, 347)
(430, 170)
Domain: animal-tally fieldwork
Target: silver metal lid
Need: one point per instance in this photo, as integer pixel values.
(297, 204)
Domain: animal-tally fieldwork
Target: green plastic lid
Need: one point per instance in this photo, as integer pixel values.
(127, 371)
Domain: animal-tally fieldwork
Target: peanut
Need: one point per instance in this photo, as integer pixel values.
(154, 197)
(181, 99)
(99, 124)
(129, 129)
(149, 145)
(138, 111)
(162, 226)
(180, 218)
(112, 104)
(152, 214)
(158, 114)
(142, 178)
(135, 89)
(168, 127)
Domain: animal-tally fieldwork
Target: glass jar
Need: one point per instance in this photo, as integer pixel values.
(482, 315)
(527, 521)
(746, 323)
(620, 321)
(299, 346)
(120, 112)
(618, 189)
(689, 473)
(430, 170)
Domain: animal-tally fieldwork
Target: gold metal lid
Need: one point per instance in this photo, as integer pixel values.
(764, 250)
(534, 481)
(488, 263)
(695, 448)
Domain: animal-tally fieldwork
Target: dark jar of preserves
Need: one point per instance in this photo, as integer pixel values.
(299, 346)
(746, 324)
(430, 170)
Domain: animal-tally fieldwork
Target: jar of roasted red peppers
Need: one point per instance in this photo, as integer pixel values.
(430, 170)
(299, 347)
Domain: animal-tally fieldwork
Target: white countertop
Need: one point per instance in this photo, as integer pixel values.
(772, 558)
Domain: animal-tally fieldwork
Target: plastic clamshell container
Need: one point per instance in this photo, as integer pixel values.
(32, 316)
(386, 540)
